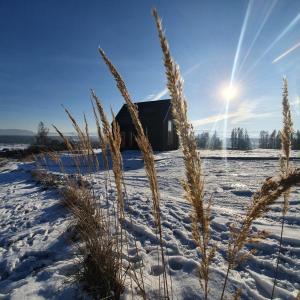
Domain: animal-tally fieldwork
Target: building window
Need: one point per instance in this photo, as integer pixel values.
(170, 132)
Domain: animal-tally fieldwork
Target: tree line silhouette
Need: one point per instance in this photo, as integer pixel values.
(240, 140)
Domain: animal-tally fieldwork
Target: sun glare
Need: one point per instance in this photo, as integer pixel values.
(229, 92)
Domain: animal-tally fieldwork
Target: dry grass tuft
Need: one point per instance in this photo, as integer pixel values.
(100, 261)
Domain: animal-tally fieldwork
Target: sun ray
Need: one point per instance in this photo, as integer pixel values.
(233, 75)
(273, 4)
(291, 25)
(241, 38)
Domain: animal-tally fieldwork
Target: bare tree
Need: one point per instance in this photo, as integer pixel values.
(42, 135)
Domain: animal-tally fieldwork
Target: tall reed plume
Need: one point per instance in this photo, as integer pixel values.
(286, 136)
(148, 157)
(112, 135)
(194, 182)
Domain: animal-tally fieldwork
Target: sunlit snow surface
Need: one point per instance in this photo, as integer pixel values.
(36, 258)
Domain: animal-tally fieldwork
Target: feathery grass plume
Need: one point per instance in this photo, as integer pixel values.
(77, 128)
(69, 147)
(148, 157)
(92, 157)
(102, 139)
(194, 183)
(103, 143)
(286, 139)
(83, 143)
(287, 130)
(113, 136)
(270, 191)
(286, 136)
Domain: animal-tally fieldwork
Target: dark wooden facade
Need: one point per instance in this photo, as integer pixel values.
(158, 124)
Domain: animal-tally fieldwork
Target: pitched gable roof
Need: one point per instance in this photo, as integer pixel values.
(150, 111)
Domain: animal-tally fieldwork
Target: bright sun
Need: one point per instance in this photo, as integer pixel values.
(229, 92)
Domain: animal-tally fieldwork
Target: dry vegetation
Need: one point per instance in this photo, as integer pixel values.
(102, 236)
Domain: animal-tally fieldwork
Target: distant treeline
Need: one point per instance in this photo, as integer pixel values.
(205, 141)
(240, 140)
(273, 141)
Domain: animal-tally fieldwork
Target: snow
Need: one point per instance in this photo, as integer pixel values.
(13, 146)
(36, 258)
(34, 254)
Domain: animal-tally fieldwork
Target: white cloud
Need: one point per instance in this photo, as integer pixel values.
(165, 91)
(149, 97)
(244, 111)
(296, 102)
(159, 95)
(296, 105)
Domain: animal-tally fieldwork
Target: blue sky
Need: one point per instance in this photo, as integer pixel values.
(48, 55)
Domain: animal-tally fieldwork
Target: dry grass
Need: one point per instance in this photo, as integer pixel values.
(102, 238)
(100, 261)
(194, 183)
(286, 137)
(106, 239)
(113, 136)
(270, 191)
(148, 157)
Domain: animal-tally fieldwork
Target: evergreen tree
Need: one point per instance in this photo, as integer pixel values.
(272, 140)
(234, 139)
(296, 140)
(203, 140)
(278, 141)
(263, 139)
(215, 142)
(248, 145)
(240, 139)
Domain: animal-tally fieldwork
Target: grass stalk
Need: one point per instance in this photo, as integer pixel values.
(148, 157)
(285, 135)
(194, 182)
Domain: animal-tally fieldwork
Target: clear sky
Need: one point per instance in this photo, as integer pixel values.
(48, 57)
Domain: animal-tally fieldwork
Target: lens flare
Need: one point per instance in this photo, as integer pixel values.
(229, 92)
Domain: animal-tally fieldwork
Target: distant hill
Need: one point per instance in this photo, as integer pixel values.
(18, 132)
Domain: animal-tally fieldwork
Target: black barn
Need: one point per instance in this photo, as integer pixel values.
(157, 121)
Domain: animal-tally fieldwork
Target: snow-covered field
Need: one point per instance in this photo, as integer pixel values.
(13, 146)
(36, 256)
